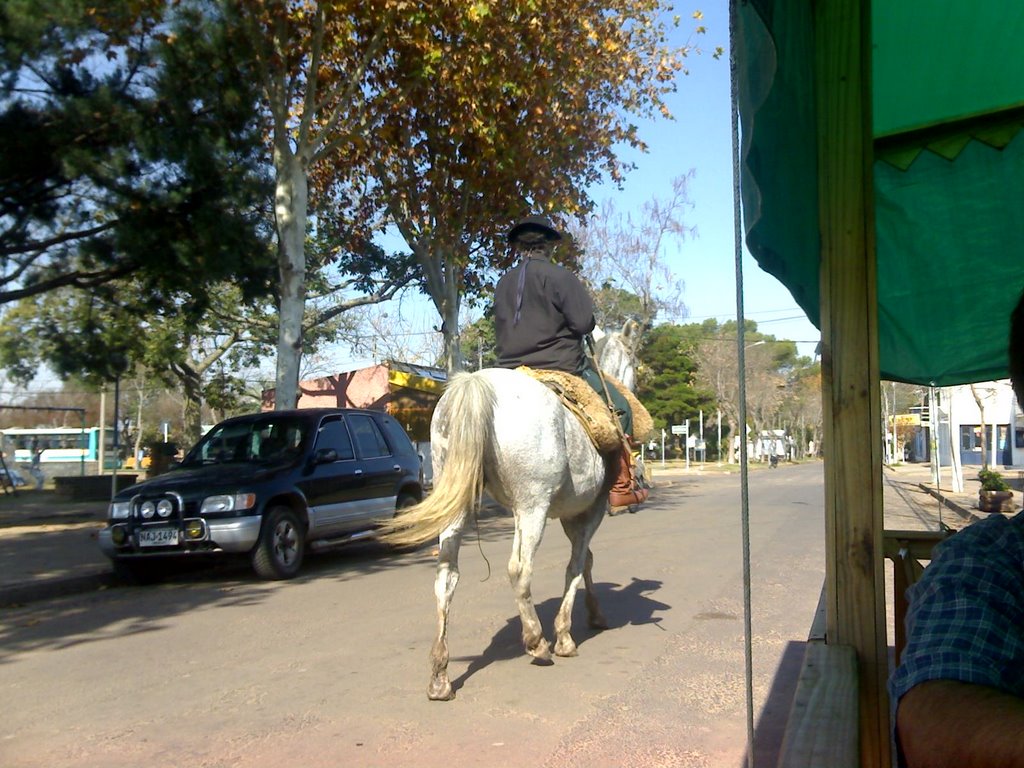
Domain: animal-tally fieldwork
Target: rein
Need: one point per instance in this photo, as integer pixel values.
(593, 350)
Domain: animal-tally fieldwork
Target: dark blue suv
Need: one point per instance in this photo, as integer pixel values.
(268, 484)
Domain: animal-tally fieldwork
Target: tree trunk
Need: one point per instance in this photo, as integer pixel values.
(192, 407)
(452, 336)
(290, 204)
(442, 285)
(984, 442)
(734, 430)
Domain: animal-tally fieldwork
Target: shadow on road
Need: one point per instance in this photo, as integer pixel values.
(771, 725)
(186, 585)
(621, 605)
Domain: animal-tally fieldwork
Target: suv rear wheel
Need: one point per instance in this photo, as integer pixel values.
(278, 553)
(404, 500)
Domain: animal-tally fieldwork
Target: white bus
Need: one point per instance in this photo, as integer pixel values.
(58, 444)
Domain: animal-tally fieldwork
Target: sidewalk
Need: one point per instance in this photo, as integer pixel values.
(48, 546)
(912, 502)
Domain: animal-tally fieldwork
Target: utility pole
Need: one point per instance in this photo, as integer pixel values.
(102, 447)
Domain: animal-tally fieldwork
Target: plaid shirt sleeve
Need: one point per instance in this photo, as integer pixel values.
(966, 616)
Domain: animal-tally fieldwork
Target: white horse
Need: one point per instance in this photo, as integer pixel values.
(503, 431)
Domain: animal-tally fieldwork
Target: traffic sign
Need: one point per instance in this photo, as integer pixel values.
(681, 429)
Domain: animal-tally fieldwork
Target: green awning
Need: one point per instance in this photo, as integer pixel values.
(948, 109)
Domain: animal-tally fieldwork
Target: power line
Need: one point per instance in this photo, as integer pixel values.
(729, 315)
(38, 408)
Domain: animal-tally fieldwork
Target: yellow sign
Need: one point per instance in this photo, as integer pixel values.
(908, 419)
(411, 381)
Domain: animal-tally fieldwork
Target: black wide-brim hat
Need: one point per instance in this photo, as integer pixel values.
(541, 224)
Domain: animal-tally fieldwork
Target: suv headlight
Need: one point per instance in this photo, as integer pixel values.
(228, 502)
(119, 510)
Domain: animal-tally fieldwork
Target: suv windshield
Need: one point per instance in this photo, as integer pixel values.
(267, 439)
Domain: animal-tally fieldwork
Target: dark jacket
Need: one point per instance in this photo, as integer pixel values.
(556, 313)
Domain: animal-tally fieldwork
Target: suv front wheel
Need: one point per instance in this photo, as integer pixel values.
(278, 553)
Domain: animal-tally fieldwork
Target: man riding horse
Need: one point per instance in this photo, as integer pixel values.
(542, 313)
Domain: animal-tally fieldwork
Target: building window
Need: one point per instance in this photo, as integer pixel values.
(970, 437)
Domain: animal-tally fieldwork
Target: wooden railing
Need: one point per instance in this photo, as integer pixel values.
(907, 550)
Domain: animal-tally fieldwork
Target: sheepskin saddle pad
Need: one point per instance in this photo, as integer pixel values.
(591, 409)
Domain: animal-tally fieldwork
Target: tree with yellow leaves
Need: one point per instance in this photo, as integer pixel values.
(446, 120)
(489, 110)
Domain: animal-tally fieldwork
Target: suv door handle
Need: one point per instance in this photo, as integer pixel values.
(398, 467)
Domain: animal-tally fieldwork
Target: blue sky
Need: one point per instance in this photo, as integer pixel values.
(700, 138)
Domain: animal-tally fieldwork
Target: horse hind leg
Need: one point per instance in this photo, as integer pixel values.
(579, 530)
(529, 529)
(447, 578)
(595, 617)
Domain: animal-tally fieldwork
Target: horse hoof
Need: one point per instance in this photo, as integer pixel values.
(566, 649)
(541, 653)
(440, 690)
(598, 622)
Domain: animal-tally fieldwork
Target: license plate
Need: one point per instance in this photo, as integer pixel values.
(158, 537)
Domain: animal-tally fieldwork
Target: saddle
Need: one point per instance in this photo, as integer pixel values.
(593, 413)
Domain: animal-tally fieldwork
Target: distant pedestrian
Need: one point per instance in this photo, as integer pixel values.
(34, 468)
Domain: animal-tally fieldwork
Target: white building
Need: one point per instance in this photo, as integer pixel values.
(961, 421)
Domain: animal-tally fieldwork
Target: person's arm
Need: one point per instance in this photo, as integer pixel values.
(944, 723)
(575, 304)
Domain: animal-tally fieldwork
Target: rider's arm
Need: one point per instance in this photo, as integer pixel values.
(576, 306)
(965, 646)
(948, 723)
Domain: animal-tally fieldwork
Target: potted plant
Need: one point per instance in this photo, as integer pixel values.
(995, 495)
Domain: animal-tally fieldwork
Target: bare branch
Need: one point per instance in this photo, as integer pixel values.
(43, 245)
(385, 293)
(217, 353)
(73, 279)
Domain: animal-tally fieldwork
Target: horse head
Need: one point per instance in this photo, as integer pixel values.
(616, 352)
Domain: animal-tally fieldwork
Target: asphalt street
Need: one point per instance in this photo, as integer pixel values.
(48, 546)
(219, 669)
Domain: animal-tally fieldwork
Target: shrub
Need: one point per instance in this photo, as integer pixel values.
(992, 481)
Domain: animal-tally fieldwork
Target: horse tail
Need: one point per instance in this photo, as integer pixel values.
(464, 421)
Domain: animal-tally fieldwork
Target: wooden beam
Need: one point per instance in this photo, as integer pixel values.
(918, 544)
(822, 726)
(906, 549)
(849, 314)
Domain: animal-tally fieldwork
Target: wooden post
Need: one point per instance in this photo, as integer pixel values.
(850, 377)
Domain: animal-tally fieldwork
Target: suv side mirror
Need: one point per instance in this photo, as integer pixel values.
(325, 456)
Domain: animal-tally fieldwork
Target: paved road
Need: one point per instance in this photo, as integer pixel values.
(331, 669)
(48, 547)
(216, 669)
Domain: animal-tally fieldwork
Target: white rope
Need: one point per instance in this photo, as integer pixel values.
(741, 361)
